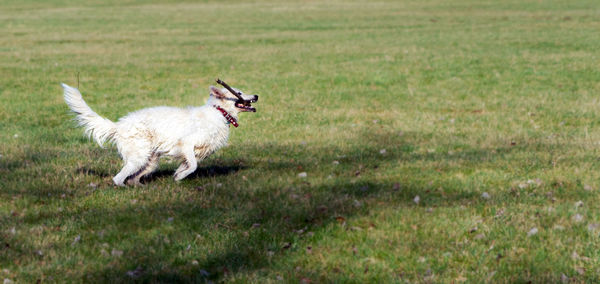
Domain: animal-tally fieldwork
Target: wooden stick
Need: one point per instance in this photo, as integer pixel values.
(238, 95)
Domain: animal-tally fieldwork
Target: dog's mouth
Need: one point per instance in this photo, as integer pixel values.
(245, 106)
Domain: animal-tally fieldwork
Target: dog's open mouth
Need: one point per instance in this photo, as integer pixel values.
(245, 105)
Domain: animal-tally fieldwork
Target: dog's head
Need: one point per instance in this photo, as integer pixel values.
(232, 103)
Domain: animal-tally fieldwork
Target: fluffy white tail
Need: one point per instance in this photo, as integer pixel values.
(100, 128)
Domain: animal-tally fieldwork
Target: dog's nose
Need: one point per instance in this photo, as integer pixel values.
(255, 99)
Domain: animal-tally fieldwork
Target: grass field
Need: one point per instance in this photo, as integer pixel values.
(443, 141)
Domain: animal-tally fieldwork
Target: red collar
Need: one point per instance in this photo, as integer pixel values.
(227, 116)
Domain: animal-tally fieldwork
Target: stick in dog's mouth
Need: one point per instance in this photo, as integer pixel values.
(246, 105)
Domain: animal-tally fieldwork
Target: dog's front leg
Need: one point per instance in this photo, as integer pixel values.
(189, 164)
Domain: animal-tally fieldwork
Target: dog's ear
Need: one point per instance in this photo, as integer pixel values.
(216, 92)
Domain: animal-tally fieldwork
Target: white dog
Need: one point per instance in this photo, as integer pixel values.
(142, 137)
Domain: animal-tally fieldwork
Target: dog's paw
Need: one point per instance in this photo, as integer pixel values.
(180, 176)
(118, 183)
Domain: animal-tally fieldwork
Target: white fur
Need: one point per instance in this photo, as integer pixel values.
(142, 137)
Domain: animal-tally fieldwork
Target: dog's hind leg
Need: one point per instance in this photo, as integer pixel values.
(189, 164)
(130, 168)
(135, 163)
(148, 168)
(136, 153)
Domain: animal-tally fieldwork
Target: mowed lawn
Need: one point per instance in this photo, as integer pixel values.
(442, 141)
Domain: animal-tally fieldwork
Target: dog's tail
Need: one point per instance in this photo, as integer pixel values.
(100, 128)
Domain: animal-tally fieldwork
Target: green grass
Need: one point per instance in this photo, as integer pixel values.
(465, 97)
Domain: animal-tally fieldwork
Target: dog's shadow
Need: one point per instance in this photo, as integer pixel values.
(201, 172)
(93, 172)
